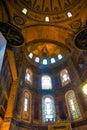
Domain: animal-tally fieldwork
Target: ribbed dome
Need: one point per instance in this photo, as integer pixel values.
(50, 6)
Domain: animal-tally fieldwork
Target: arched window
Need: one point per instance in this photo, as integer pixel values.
(26, 100)
(48, 109)
(47, 19)
(26, 109)
(65, 79)
(72, 105)
(46, 82)
(28, 76)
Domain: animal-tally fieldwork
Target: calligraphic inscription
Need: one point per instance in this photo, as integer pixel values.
(12, 34)
(81, 40)
(61, 125)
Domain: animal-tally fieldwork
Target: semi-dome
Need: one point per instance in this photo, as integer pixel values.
(46, 53)
(43, 64)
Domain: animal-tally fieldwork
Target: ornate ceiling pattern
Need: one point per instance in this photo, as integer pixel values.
(47, 49)
(49, 6)
(37, 10)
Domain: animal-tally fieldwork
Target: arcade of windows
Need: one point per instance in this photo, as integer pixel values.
(46, 82)
(48, 102)
(45, 61)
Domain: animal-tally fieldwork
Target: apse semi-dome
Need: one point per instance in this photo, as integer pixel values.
(46, 53)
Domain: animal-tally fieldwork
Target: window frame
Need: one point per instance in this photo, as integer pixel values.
(28, 74)
(65, 81)
(26, 115)
(74, 112)
(52, 113)
(43, 79)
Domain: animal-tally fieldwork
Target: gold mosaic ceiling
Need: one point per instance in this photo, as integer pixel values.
(38, 9)
(60, 28)
(49, 6)
(46, 49)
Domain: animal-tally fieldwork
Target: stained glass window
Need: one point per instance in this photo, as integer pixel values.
(72, 105)
(46, 82)
(26, 113)
(28, 76)
(65, 79)
(48, 109)
(25, 104)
